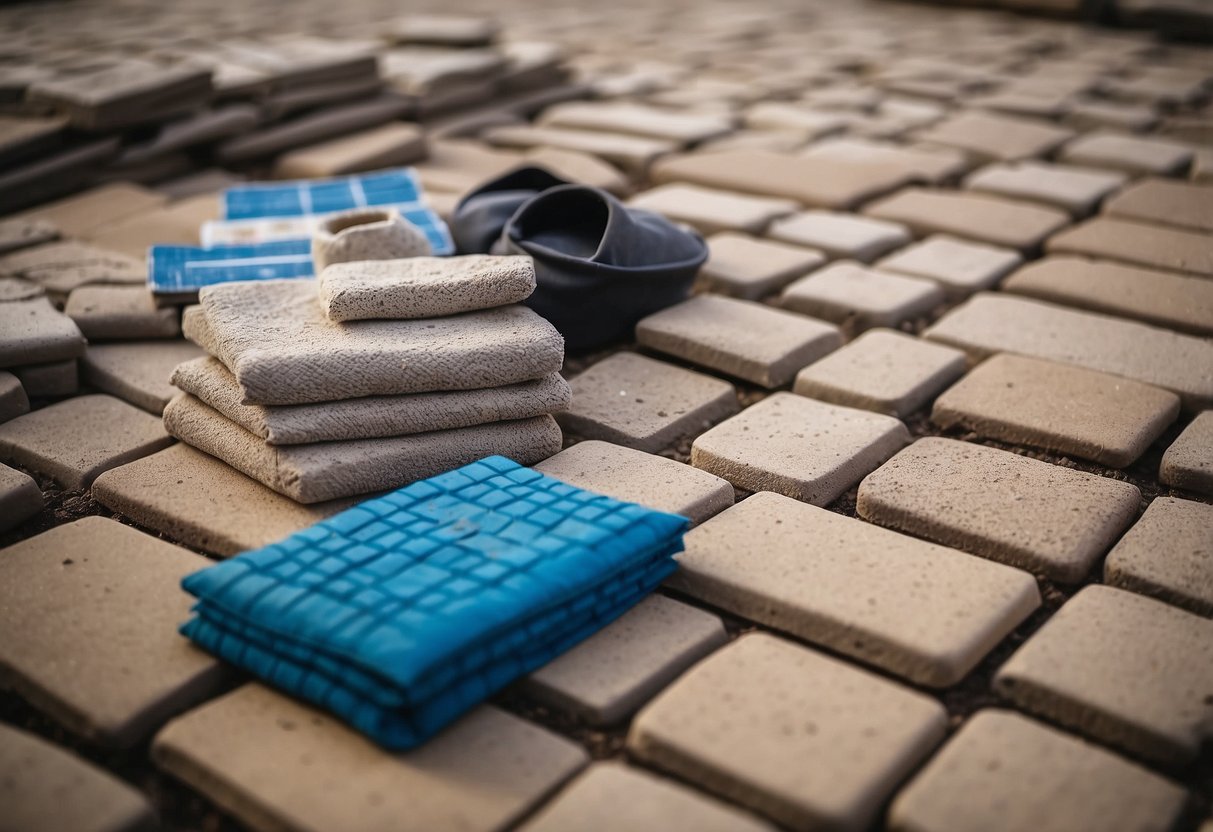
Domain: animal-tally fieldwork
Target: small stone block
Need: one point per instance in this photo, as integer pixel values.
(54, 380)
(710, 211)
(1132, 154)
(1168, 554)
(20, 498)
(18, 233)
(120, 313)
(1188, 463)
(13, 401)
(138, 372)
(840, 235)
(993, 137)
(986, 219)
(33, 331)
(960, 267)
(1143, 244)
(747, 268)
(858, 298)
(1076, 190)
(1166, 202)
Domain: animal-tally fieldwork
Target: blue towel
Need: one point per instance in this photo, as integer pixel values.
(176, 270)
(404, 612)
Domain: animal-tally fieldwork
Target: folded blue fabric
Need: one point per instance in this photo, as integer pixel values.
(173, 270)
(404, 612)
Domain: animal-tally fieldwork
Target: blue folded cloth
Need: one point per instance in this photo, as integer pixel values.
(404, 612)
(175, 270)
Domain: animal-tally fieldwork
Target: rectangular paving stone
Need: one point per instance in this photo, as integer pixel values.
(858, 298)
(274, 763)
(847, 591)
(992, 323)
(960, 267)
(1132, 154)
(137, 372)
(991, 775)
(710, 210)
(53, 380)
(1165, 202)
(63, 266)
(389, 145)
(13, 401)
(1023, 512)
(798, 447)
(747, 268)
(1000, 222)
(640, 403)
(1059, 407)
(32, 331)
(77, 215)
(683, 127)
(883, 371)
(1168, 554)
(840, 235)
(94, 606)
(18, 233)
(1152, 246)
(1075, 190)
(994, 137)
(633, 154)
(927, 165)
(751, 341)
(779, 115)
(1188, 463)
(1122, 669)
(636, 477)
(804, 739)
(120, 313)
(20, 498)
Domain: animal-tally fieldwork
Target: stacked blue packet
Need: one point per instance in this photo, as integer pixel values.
(406, 611)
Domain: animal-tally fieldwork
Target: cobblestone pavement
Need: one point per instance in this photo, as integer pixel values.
(939, 411)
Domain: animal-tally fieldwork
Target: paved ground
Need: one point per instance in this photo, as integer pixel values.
(940, 411)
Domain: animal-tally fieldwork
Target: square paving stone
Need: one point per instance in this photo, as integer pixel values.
(607, 677)
(1010, 508)
(20, 498)
(858, 298)
(992, 775)
(1132, 154)
(993, 137)
(1076, 190)
(1125, 670)
(1165, 202)
(1095, 114)
(882, 371)
(120, 313)
(748, 340)
(841, 235)
(75, 440)
(641, 403)
(138, 372)
(709, 210)
(13, 401)
(1058, 407)
(747, 268)
(95, 606)
(1147, 245)
(275, 763)
(960, 267)
(844, 584)
(804, 739)
(612, 797)
(798, 447)
(35, 332)
(1188, 463)
(53, 380)
(77, 215)
(44, 787)
(636, 477)
(1168, 554)
(986, 219)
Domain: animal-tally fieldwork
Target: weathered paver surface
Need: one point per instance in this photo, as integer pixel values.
(858, 298)
(1168, 554)
(1159, 247)
(961, 267)
(749, 268)
(1188, 462)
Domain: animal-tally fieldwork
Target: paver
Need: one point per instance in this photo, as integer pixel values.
(63, 266)
(34, 332)
(636, 477)
(753, 342)
(43, 787)
(638, 119)
(1175, 301)
(710, 210)
(18, 233)
(993, 137)
(960, 267)
(844, 584)
(20, 498)
(386, 146)
(79, 214)
(840, 235)
(883, 371)
(612, 797)
(120, 313)
(1000, 222)
(634, 154)
(1120, 668)
(96, 605)
(991, 323)
(1168, 554)
(1093, 114)
(275, 763)
(1062, 408)
(929, 165)
(1003, 772)
(750, 269)
(798, 447)
(174, 224)
(1188, 463)
(18, 288)
(1165, 202)
(607, 677)
(805, 739)
(778, 115)
(641, 403)
(1035, 515)
(1076, 190)
(1132, 154)
(137, 372)
(858, 298)
(13, 401)
(52, 380)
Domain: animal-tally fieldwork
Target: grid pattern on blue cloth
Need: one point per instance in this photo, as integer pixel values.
(180, 269)
(405, 611)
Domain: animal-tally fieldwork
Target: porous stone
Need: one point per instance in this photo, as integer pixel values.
(747, 268)
(1132, 154)
(1139, 243)
(1168, 554)
(392, 144)
(992, 137)
(80, 214)
(1188, 463)
(858, 298)
(139, 372)
(53, 380)
(13, 401)
(960, 267)
(367, 234)
(63, 266)
(18, 288)
(709, 210)
(840, 235)
(778, 115)
(1076, 190)
(34, 332)
(20, 498)
(18, 233)
(1000, 222)
(120, 313)
(1165, 202)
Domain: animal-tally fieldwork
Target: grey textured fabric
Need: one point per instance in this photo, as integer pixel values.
(328, 470)
(195, 328)
(273, 335)
(373, 416)
(423, 287)
(367, 234)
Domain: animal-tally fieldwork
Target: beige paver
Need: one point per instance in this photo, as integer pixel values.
(53, 380)
(991, 323)
(77, 215)
(138, 372)
(633, 154)
(845, 584)
(858, 298)
(960, 267)
(1143, 244)
(748, 340)
(1094, 114)
(1165, 202)
(779, 115)
(992, 137)
(807, 740)
(13, 401)
(686, 127)
(607, 677)
(66, 265)
(710, 210)
(798, 447)
(120, 313)
(20, 498)
(1003, 772)
(391, 144)
(1076, 190)
(932, 166)
(840, 235)
(1132, 154)
(883, 371)
(1000, 222)
(1059, 407)
(18, 233)
(747, 268)
(637, 477)
(1168, 554)
(275, 763)
(94, 606)
(32, 331)
(1188, 462)
(1013, 509)
(1123, 669)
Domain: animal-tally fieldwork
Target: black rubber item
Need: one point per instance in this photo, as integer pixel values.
(482, 214)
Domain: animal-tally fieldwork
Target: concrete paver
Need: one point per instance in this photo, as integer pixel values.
(1166, 202)
(120, 313)
(1168, 554)
(748, 268)
(1076, 190)
(710, 211)
(137, 372)
(1138, 243)
(960, 267)
(13, 401)
(995, 137)
(1188, 462)
(20, 498)
(32, 331)
(1001, 222)
(858, 298)
(1132, 154)
(840, 235)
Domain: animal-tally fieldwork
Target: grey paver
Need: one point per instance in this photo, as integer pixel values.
(805, 739)
(710, 210)
(988, 136)
(20, 498)
(13, 401)
(1076, 190)
(840, 235)
(1168, 554)
(637, 477)
(1020, 511)
(1138, 243)
(96, 605)
(120, 313)
(748, 268)
(32, 331)
(1165, 202)
(753, 342)
(883, 371)
(275, 763)
(51, 380)
(1123, 669)
(18, 288)
(1001, 222)
(798, 447)
(1188, 462)
(843, 583)
(1059, 407)
(1132, 154)
(993, 774)
(858, 298)
(137, 372)
(960, 267)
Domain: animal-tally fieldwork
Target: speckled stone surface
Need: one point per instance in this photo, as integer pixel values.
(20, 498)
(858, 298)
(120, 313)
(13, 401)
(1139, 243)
(1168, 554)
(32, 331)
(840, 235)
(138, 372)
(1188, 462)
(960, 267)
(367, 234)
(750, 268)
